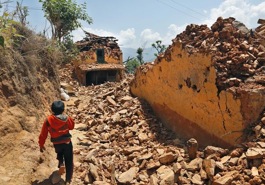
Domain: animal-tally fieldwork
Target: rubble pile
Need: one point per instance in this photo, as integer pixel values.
(92, 42)
(125, 143)
(238, 53)
(260, 31)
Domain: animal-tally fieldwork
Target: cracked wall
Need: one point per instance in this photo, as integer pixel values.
(99, 60)
(181, 88)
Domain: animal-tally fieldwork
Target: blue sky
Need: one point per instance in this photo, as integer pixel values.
(139, 23)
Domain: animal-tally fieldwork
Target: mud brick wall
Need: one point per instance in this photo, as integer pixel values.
(209, 84)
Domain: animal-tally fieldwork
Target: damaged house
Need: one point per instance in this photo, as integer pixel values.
(99, 60)
(211, 83)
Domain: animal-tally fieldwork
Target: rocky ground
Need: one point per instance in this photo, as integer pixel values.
(118, 140)
(238, 52)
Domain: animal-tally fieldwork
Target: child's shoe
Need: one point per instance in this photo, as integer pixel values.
(62, 169)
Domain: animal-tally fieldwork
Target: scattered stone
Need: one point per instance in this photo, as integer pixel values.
(233, 161)
(254, 171)
(152, 164)
(94, 171)
(128, 176)
(215, 150)
(263, 120)
(225, 159)
(195, 164)
(261, 144)
(236, 152)
(196, 179)
(166, 175)
(55, 177)
(143, 137)
(192, 146)
(121, 133)
(167, 158)
(100, 183)
(226, 179)
(209, 166)
(111, 101)
(132, 149)
(254, 153)
(220, 165)
(153, 180)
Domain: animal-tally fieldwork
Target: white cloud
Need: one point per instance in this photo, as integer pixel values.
(79, 33)
(126, 37)
(147, 37)
(172, 32)
(242, 10)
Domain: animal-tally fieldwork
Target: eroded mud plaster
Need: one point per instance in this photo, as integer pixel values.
(181, 88)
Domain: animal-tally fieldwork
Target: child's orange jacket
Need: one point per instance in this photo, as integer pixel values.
(58, 126)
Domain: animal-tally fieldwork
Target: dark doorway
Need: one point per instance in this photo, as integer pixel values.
(100, 56)
(100, 77)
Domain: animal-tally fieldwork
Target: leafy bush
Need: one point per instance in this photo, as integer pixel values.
(7, 30)
(68, 48)
(131, 65)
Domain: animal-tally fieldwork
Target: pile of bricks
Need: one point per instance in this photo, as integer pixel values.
(238, 53)
(125, 143)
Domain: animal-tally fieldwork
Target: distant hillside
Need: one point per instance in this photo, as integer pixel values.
(131, 52)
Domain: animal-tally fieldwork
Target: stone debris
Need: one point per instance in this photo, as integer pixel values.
(92, 42)
(165, 175)
(192, 146)
(255, 153)
(226, 179)
(128, 176)
(238, 52)
(126, 144)
(55, 177)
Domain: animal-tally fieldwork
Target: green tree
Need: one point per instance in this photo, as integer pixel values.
(22, 13)
(64, 16)
(160, 48)
(6, 25)
(7, 30)
(5, 2)
(69, 48)
(140, 55)
(131, 64)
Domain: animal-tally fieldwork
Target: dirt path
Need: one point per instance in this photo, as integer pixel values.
(48, 167)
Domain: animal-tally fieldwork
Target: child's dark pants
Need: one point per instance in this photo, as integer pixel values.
(65, 155)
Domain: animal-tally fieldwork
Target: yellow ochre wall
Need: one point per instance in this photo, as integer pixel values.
(90, 57)
(192, 108)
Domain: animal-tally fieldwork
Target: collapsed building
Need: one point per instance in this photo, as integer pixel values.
(210, 82)
(100, 60)
(260, 31)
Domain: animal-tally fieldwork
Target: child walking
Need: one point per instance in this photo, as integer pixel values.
(58, 126)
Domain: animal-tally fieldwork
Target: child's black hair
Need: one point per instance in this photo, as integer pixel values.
(57, 107)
